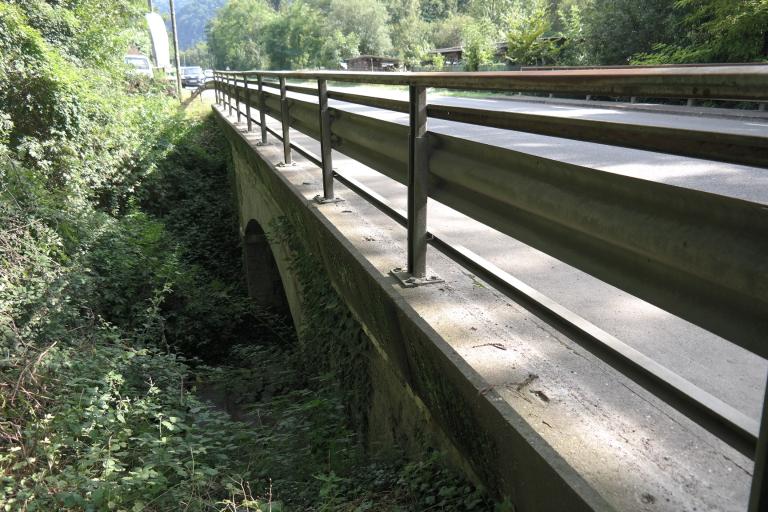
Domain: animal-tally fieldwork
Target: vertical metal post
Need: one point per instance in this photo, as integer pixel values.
(237, 98)
(175, 48)
(224, 91)
(247, 102)
(262, 111)
(286, 124)
(215, 89)
(229, 93)
(325, 139)
(417, 183)
(758, 497)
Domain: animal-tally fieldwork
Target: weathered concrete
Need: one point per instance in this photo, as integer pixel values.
(535, 417)
(264, 283)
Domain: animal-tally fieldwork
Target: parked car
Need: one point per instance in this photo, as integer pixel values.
(141, 64)
(192, 76)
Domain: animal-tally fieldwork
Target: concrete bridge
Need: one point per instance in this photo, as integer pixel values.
(583, 325)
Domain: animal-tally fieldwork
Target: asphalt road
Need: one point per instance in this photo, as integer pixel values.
(717, 366)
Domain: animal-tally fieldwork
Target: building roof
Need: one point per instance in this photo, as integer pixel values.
(382, 57)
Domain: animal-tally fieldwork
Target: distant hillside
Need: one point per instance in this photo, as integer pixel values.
(191, 18)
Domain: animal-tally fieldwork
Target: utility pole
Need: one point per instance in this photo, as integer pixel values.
(175, 48)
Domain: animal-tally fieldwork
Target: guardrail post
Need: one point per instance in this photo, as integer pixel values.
(216, 88)
(229, 94)
(237, 98)
(418, 175)
(325, 144)
(286, 123)
(758, 497)
(417, 183)
(262, 110)
(221, 90)
(247, 102)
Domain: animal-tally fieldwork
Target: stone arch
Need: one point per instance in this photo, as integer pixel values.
(265, 285)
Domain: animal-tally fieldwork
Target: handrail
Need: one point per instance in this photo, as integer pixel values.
(660, 242)
(739, 82)
(642, 66)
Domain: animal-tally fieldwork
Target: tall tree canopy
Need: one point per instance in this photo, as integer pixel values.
(367, 19)
(717, 31)
(236, 35)
(256, 33)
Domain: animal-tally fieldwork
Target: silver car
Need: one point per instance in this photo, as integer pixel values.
(192, 76)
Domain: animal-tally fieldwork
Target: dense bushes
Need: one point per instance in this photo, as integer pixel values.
(119, 253)
(94, 417)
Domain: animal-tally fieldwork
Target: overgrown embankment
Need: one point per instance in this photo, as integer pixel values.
(121, 298)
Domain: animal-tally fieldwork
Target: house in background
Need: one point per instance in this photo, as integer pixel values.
(372, 63)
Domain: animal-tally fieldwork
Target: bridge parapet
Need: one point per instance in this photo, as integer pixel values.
(659, 242)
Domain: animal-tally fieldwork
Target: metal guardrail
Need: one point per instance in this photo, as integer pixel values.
(701, 256)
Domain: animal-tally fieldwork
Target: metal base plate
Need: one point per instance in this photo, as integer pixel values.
(406, 280)
(283, 164)
(322, 200)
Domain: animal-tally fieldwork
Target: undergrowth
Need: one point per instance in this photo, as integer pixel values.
(124, 317)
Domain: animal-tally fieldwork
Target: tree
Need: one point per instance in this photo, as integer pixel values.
(495, 12)
(446, 33)
(716, 31)
(365, 18)
(410, 33)
(236, 34)
(614, 30)
(525, 39)
(198, 55)
(479, 44)
(434, 10)
(300, 38)
(573, 50)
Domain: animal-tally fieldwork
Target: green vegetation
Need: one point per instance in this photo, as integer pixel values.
(120, 260)
(300, 34)
(120, 267)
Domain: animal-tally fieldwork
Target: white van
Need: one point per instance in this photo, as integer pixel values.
(141, 64)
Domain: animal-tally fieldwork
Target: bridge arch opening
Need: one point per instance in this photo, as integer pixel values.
(265, 285)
